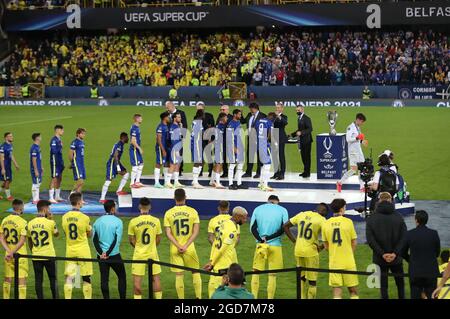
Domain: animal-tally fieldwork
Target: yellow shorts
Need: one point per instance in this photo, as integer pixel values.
(343, 280)
(139, 269)
(23, 268)
(187, 259)
(445, 292)
(308, 262)
(71, 267)
(272, 254)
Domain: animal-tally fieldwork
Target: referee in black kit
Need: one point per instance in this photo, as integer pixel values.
(108, 231)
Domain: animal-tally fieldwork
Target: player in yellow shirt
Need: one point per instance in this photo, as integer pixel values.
(339, 236)
(182, 226)
(41, 231)
(443, 288)
(13, 235)
(223, 253)
(307, 246)
(77, 228)
(144, 233)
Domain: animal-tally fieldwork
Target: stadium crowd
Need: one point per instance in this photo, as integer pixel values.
(259, 58)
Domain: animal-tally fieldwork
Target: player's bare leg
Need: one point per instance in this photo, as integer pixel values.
(353, 292)
(2, 189)
(157, 291)
(137, 280)
(337, 293)
(78, 186)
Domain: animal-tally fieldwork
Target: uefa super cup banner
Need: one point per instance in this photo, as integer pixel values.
(371, 15)
(332, 156)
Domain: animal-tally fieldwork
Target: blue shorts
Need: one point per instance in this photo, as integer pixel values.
(196, 154)
(160, 159)
(56, 168)
(175, 158)
(79, 172)
(36, 180)
(111, 170)
(135, 157)
(265, 155)
(8, 173)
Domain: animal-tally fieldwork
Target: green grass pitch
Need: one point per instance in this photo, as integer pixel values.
(417, 136)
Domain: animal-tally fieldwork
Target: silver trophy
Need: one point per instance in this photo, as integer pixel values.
(332, 118)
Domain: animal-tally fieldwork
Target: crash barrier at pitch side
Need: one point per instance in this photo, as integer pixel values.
(151, 262)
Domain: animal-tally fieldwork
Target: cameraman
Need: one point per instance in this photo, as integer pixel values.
(391, 159)
(385, 179)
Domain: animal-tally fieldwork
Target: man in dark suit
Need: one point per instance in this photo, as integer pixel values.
(225, 109)
(385, 230)
(252, 117)
(208, 122)
(280, 123)
(170, 107)
(421, 248)
(304, 130)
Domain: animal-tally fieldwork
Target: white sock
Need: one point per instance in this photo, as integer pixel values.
(175, 177)
(231, 173)
(139, 173)
(105, 189)
(35, 192)
(266, 176)
(58, 193)
(166, 171)
(217, 179)
(157, 172)
(8, 193)
(213, 176)
(346, 176)
(239, 172)
(123, 182)
(51, 194)
(167, 178)
(195, 174)
(134, 171)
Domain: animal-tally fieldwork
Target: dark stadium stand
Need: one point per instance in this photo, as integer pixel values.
(269, 58)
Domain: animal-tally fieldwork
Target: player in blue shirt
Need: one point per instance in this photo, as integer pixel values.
(114, 167)
(266, 226)
(175, 150)
(264, 130)
(136, 152)
(197, 147)
(6, 158)
(218, 150)
(36, 169)
(161, 147)
(56, 165)
(235, 151)
(76, 159)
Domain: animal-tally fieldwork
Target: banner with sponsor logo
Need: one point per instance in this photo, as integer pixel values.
(424, 92)
(239, 104)
(371, 15)
(332, 156)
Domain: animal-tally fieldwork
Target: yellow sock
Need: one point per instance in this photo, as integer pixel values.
(271, 286)
(68, 291)
(354, 297)
(197, 282)
(255, 286)
(137, 296)
(179, 286)
(6, 290)
(158, 294)
(303, 289)
(87, 290)
(22, 292)
(312, 292)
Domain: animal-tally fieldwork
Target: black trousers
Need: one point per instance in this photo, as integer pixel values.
(420, 284)
(399, 281)
(305, 151)
(282, 158)
(50, 267)
(119, 269)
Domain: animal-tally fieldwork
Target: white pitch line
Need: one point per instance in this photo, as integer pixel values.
(37, 121)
